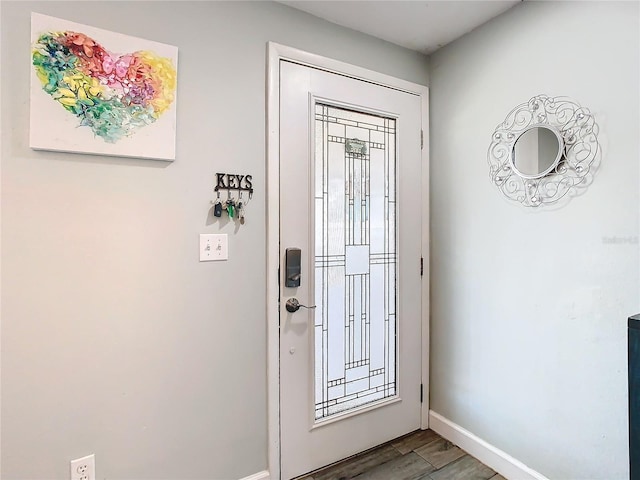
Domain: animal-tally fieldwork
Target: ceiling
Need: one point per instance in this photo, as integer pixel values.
(423, 26)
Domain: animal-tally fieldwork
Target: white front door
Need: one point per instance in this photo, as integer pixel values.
(350, 201)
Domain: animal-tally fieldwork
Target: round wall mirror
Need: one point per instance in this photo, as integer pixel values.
(544, 149)
(537, 151)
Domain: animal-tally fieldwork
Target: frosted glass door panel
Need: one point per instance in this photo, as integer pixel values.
(355, 260)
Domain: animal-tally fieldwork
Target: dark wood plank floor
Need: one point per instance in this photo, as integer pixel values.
(421, 455)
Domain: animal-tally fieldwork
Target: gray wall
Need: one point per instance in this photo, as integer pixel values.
(115, 339)
(529, 307)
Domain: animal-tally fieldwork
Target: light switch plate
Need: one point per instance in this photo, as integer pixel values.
(213, 247)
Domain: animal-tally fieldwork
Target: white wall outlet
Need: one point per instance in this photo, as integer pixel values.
(213, 247)
(84, 468)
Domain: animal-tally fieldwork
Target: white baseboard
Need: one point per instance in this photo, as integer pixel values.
(263, 475)
(493, 457)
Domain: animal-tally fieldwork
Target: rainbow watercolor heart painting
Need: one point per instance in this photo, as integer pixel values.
(89, 97)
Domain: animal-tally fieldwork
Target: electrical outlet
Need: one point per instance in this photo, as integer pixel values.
(84, 468)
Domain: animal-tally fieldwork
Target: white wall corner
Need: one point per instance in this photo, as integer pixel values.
(493, 457)
(263, 475)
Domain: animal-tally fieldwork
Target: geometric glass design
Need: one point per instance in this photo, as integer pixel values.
(355, 260)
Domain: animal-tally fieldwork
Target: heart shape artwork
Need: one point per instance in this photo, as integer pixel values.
(113, 94)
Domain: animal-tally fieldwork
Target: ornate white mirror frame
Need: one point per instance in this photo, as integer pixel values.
(578, 149)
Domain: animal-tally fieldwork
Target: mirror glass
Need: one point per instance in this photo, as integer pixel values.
(536, 151)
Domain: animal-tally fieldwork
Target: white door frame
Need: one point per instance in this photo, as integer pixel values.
(276, 53)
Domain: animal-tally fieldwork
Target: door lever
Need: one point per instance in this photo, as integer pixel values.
(293, 305)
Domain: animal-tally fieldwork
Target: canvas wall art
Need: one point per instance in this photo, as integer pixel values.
(99, 92)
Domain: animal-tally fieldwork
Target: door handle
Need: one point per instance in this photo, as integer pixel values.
(293, 305)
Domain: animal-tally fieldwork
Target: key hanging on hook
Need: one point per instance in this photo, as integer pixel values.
(217, 207)
(241, 212)
(231, 207)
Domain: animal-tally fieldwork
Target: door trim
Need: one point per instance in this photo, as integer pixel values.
(275, 54)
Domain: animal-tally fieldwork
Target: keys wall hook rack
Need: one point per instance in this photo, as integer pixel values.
(230, 181)
(233, 207)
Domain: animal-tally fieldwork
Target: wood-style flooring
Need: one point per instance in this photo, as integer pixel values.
(421, 455)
